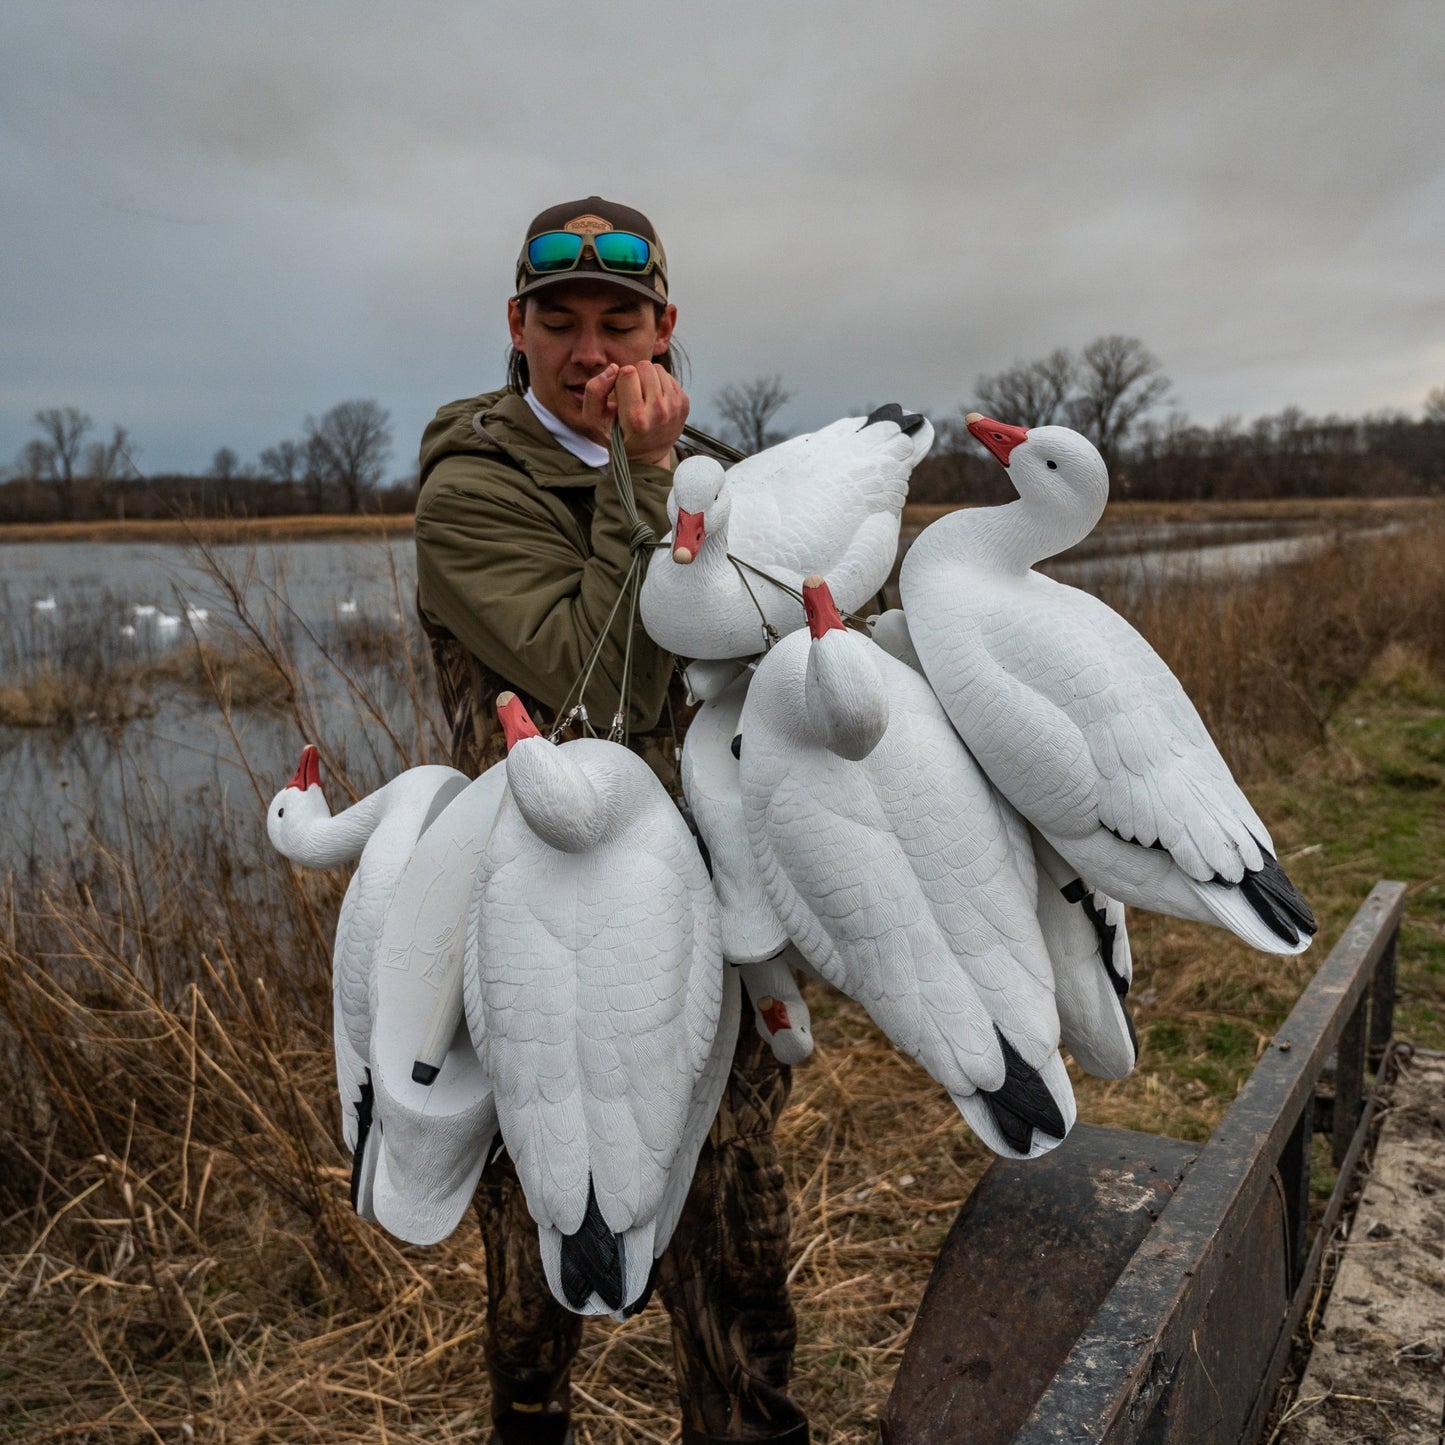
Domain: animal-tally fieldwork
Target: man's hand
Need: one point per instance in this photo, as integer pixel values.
(649, 402)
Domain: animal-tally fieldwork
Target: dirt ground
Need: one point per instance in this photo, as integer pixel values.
(1377, 1371)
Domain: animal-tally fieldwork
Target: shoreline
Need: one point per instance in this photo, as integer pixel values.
(220, 531)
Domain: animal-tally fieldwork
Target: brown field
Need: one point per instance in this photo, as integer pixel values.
(1324, 512)
(177, 1257)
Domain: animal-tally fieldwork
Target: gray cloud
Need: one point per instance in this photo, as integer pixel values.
(221, 220)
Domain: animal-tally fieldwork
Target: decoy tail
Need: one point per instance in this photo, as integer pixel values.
(1278, 903)
(1023, 1102)
(908, 421)
(592, 1260)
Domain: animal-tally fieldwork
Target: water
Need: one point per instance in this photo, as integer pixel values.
(118, 606)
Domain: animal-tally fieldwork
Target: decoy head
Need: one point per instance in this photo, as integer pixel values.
(560, 802)
(298, 805)
(698, 505)
(844, 691)
(1052, 464)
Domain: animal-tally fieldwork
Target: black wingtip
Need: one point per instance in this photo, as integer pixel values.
(592, 1261)
(640, 1303)
(908, 422)
(365, 1104)
(424, 1073)
(1023, 1102)
(1279, 905)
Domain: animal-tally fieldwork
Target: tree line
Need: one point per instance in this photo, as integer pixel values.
(336, 465)
(1114, 390)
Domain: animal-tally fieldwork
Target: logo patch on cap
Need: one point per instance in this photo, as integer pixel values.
(588, 225)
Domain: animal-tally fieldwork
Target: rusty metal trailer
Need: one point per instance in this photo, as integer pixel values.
(1135, 1288)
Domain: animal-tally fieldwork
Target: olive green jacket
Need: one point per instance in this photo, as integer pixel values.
(521, 552)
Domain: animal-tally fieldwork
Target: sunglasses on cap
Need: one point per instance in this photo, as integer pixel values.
(619, 251)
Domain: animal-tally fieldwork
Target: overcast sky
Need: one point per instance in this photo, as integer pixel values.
(219, 218)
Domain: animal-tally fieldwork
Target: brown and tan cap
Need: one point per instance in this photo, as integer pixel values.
(589, 217)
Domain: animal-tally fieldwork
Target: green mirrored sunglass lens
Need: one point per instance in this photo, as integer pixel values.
(556, 251)
(621, 250)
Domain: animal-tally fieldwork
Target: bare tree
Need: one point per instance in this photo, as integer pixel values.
(1029, 393)
(283, 462)
(748, 411)
(64, 429)
(1119, 379)
(1435, 405)
(106, 462)
(348, 448)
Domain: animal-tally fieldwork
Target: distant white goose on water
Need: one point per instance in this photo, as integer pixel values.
(598, 1003)
(1073, 715)
(44, 604)
(830, 499)
(144, 609)
(901, 877)
(380, 830)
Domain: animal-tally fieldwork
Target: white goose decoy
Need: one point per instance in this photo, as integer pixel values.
(381, 830)
(901, 878)
(753, 938)
(1084, 930)
(599, 1006)
(1073, 715)
(435, 1114)
(831, 499)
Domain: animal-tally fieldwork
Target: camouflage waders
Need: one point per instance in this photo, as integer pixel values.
(723, 1278)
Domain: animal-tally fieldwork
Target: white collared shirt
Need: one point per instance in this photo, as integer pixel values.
(588, 452)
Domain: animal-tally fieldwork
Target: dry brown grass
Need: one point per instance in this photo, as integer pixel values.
(177, 1258)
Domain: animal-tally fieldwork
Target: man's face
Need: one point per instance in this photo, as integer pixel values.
(572, 331)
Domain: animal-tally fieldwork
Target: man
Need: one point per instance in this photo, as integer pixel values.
(523, 547)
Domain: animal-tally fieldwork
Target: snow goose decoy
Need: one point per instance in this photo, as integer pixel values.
(1074, 716)
(435, 1112)
(380, 830)
(599, 1005)
(1084, 930)
(753, 938)
(900, 875)
(829, 499)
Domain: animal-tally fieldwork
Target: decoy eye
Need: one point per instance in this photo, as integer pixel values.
(1053, 466)
(280, 812)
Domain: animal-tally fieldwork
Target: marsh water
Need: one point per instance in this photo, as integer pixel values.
(77, 609)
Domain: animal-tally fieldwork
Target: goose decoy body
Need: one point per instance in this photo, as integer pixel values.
(1084, 930)
(435, 1115)
(1075, 718)
(598, 1003)
(753, 938)
(831, 499)
(900, 877)
(380, 830)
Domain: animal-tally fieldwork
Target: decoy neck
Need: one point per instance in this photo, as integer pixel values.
(300, 824)
(1063, 486)
(843, 690)
(564, 806)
